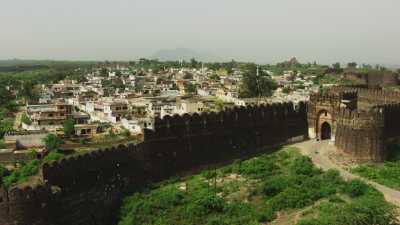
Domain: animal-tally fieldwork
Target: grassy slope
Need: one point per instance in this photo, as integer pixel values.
(283, 187)
(387, 174)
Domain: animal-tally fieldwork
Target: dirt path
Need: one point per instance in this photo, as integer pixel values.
(17, 121)
(319, 152)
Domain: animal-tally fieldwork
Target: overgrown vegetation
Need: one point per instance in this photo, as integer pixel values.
(20, 174)
(387, 173)
(25, 119)
(256, 83)
(69, 127)
(257, 191)
(24, 170)
(6, 125)
(53, 156)
(52, 142)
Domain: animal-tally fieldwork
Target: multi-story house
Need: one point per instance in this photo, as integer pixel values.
(48, 116)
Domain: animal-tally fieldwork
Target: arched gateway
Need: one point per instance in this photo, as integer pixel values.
(324, 125)
(326, 131)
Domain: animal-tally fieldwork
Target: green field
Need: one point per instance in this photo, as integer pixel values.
(281, 188)
(387, 174)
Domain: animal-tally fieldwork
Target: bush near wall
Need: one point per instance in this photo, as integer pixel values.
(254, 192)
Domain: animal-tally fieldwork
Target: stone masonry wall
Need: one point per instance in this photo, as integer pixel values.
(87, 189)
(361, 134)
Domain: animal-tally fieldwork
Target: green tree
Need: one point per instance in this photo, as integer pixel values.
(126, 133)
(351, 65)
(6, 125)
(286, 90)
(215, 77)
(219, 105)
(29, 91)
(25, 119)
(5, 95)
(193, 63)
(104, 72)
(69, 127)
(52, 142)
(256, 83)
(336, 66)
(190, 88)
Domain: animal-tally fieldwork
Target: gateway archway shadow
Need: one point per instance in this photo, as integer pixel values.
(326, 131)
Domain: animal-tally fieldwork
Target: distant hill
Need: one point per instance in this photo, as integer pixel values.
(183, 54)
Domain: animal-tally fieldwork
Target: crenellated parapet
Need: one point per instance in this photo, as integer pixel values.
(361, 134)
(370, 97)
(361, 120)
(87, 188)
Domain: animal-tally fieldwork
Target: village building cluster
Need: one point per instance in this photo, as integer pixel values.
(117, 97)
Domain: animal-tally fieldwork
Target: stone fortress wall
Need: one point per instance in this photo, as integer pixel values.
(362, 121)
(87, 189)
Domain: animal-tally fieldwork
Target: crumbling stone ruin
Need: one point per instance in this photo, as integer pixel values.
(360, 121)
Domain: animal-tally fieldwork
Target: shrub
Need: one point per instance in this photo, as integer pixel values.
(266, 214)
(310, 222)
(355, 188)
(291, 198)
(52, 142)
(52, 156)
(335, 199)
(83, 141)
(259, 167)
(332, 177)
(218, 220)
(25, 119)
(6, 125)
(386, 174)
(275, 185)
(22, 174)
(208, 174)
(69, 127)
(3, 173)
(302, 165)
(367, 210)
(371, 210)
(125, 133)
(270, 183)
(240, 208)
(2, 145)
(111, 135)
(208, 202)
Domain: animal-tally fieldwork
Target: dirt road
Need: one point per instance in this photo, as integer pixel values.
(319, 151)
(17, 121)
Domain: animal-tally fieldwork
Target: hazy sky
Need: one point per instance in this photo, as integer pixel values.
(253, 30)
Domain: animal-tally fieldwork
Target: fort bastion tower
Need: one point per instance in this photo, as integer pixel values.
(360, 122)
